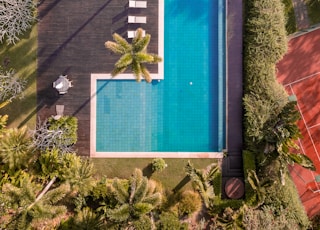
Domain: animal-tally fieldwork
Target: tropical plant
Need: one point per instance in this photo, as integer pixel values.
(231, 219)
(135, 198)
(259, 187)
(16, 17)
(26, 205)
(133, 55)
(15, 149)
(203, 181)
(77, 172)
(86, 219)
(282, 134)
(68, 168)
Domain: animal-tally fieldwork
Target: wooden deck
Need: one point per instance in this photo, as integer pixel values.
(71, 41)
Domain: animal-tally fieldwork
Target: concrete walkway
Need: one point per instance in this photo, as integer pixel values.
(301, 13)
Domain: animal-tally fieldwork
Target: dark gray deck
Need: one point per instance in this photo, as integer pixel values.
(71, 41)
(233, 164)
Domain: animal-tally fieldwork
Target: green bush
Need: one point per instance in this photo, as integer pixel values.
(291, 26)
(265, 44)
(189, 203)
(285, 200)
(248, 164)
(315, 222)
(267, 218)
(143, 223)
(69, 127)
(158, 164)
(168, 221)
(265, 32)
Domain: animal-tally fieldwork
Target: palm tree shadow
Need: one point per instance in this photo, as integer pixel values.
(181, 184)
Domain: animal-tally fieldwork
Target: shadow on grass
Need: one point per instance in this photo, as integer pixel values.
(182, 183)
(147, 171)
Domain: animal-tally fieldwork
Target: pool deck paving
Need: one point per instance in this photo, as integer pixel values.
(71, 41)
(232, 165)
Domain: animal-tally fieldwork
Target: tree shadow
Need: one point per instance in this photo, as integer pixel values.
(147, 171)
(181, 184)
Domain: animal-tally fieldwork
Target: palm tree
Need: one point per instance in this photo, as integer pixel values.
(133, 55)
(203, 181)
(87, 219)
(15, 149)
(135, 199)
(25, 207)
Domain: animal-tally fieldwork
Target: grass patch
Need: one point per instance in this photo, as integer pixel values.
(171, 177)
(291, 25)
(313, 7)
(23, 58)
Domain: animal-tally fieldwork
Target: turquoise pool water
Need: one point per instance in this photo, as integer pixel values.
(186, 111)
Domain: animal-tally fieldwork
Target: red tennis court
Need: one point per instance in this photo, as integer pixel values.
(299, 72)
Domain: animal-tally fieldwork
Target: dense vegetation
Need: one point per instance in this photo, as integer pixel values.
(45, 185)
(270, 123)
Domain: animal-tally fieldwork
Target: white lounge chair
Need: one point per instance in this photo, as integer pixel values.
(137, 19)
(137, 4)
(132, 33)
(59, 111)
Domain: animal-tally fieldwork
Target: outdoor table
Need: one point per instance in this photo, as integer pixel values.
(61, 84)
(234, 188)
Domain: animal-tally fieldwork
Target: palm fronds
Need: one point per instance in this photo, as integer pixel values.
(133, 55)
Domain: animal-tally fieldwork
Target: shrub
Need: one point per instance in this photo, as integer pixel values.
(267, 218)
(315, 222)
(285, 200)
(158, 164)
(189, 203)
(265, 44)
(249, 164)
(169, 221)
(60, 134)
(143, 223)
(69, 127)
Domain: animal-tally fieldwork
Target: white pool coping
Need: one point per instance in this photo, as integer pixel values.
(155, 76)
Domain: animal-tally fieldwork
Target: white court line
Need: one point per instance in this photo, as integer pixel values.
(302, 79)
(305, 123)
(316, 125)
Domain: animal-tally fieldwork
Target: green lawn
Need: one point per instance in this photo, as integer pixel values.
(313, 11)
(23, 58)
(291, 26)
(172, 177)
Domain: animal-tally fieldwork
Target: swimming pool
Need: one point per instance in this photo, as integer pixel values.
(185, 112)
